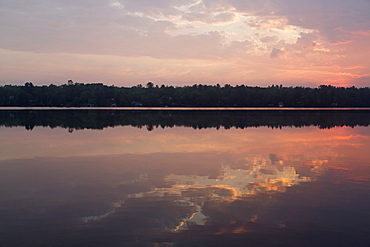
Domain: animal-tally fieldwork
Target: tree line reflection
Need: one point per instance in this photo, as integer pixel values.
(152, 119)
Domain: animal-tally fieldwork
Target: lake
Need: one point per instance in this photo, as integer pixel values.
(116, 177)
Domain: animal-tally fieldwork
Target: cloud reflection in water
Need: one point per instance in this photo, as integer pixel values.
(194, 190)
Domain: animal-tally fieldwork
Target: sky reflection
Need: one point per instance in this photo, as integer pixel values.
(19, 143)
(129, 185)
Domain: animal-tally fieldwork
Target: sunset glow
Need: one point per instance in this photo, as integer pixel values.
(287, 143)
(125, 42)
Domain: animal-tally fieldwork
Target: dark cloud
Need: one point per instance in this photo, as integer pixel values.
(328, 16)
(276, 53)
(269, 39)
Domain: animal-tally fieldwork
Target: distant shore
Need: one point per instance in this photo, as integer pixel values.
(210, 96)
(191, 108)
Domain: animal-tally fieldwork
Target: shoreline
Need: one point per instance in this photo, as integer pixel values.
(192, 108)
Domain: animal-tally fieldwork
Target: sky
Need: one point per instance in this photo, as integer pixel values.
(185, 42)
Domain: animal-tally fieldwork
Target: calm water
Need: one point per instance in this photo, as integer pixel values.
(184, 178)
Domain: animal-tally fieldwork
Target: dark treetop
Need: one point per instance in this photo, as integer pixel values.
(79, 95)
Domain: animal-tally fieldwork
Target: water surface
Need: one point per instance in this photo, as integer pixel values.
(175, 178)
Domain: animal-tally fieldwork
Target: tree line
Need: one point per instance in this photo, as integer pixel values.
(97, 94)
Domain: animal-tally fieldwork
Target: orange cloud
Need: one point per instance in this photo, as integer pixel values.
(336, 42)
(361, 32)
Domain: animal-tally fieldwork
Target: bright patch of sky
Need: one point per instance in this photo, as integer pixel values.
(235, 30)
(117, 5)
(196, 19)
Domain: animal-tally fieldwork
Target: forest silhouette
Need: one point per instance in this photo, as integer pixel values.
(100, 95)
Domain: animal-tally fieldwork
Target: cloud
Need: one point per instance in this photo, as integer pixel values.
(108, 30)
(276, 53)
(338, 42)
(272, 23)
(328, 17)
(135, 28)
(306, 35)
(209, 18)
(361, 32)
(269, 39)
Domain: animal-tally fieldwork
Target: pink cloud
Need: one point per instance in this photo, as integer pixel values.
(338, 42)
(361, 32)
